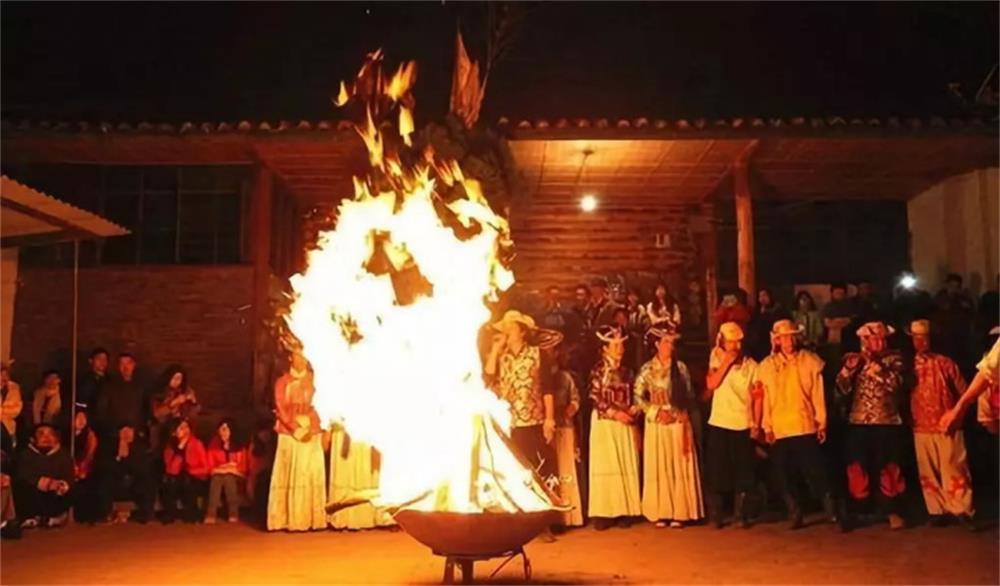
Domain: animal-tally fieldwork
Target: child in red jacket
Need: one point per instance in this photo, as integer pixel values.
(185, 473)
(227, 458)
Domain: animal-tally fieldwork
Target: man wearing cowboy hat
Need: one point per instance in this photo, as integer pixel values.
(941, 457)
(516, 367)
(732, 387)
(614, 468)
(872, 382)
(795, 418)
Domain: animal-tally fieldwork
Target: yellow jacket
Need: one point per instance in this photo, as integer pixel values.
(794, 404)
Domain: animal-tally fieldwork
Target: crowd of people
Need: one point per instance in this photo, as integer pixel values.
(836, 410)
(115, 441)
(848, 409)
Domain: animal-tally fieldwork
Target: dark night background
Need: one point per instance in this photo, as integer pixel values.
(224, 62)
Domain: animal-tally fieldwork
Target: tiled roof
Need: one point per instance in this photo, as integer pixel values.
(756, 123)
(243, 126)
(750, 125)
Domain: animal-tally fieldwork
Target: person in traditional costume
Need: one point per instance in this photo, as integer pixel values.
(795, 421)
(516, 371)
(735, 393)
(614, 469)
(354, 467)
(566, 395)
(671, 487)
(298, 480)
(872, 383)
(941, 456)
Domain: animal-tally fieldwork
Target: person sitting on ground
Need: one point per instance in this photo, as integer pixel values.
(9, 527)
(176, 400)
(227, 458)
(46, 406)
(85, 498)
(10, 408)
(185, 473)
(44, 480)
(260, 462)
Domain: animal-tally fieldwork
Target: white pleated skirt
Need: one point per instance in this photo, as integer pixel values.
(297, 499)
(671, 487)
(614, 469)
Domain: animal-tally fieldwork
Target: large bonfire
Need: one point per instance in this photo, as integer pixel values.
(389, 311)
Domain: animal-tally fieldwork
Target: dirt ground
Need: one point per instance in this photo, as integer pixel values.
(240, 554)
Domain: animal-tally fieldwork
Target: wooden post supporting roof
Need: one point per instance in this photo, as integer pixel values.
(746, 266)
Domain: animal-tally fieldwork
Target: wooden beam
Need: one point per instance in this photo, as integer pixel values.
(746, 262)
(43, 238)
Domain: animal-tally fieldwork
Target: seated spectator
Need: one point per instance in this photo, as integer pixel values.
(227, 458)
(263, 446)
(123, 447)
(175, 400)
(85, 499)
(44, 480)
(185, 473)
(10, 408)
(9, 527)
(46, 406)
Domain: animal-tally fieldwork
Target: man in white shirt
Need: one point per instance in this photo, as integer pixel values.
(732, 387)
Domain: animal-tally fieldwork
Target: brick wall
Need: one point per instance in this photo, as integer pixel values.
(198, 317)
(558, 244)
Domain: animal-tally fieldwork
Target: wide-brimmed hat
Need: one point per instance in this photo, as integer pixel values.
(536, 336)
(608, 334)
(875, 328)
(786, 327)
(511, 317)
(730, 331)
(919, 327)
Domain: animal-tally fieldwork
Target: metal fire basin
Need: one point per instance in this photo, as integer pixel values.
(465, 538)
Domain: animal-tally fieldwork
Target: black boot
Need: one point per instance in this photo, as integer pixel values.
(715, 511)
(794, 514)
(830, 507)
(740, 510)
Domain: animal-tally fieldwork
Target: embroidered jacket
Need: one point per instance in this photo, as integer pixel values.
(873, 385)
(610, 389)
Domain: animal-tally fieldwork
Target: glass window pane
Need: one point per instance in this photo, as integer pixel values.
(197, 232)
(159, 227)
(122, 209)
(228, 228)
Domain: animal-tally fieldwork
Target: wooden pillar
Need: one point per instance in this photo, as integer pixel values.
(259, 253)
(708, 250)
(746, 265)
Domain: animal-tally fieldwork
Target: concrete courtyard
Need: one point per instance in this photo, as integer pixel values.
(240, 554)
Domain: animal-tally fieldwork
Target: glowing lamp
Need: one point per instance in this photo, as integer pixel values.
(588, 203)
(907, 281)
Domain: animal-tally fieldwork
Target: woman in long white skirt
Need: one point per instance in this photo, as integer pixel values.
(671, 488)
(353, 468)
(298, 481)
(614, 470)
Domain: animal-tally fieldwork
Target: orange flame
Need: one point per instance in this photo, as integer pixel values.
(388, 313)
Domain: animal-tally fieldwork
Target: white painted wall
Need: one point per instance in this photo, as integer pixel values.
(954, 228)
(8, 288)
